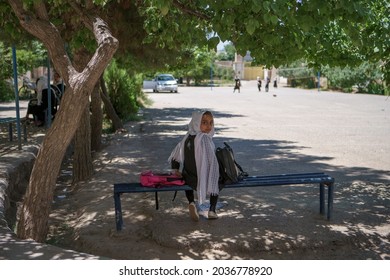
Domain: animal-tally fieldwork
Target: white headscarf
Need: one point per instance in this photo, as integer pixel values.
(41, 85)
(206, 162)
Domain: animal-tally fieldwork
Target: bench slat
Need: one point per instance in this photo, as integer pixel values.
(287, 176)
(137, 187)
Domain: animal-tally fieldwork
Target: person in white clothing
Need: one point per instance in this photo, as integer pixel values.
(41, 85)
(194, 159)
(37, 107)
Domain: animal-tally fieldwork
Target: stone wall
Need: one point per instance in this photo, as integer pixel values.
(15, 170)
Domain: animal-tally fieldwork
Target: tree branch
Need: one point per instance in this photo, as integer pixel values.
(47, 33)
(40, 10)
(184, 8)
(86, 20)
(38, 25)
(107, 43)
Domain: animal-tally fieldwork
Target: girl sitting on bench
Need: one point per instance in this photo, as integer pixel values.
(195, 155)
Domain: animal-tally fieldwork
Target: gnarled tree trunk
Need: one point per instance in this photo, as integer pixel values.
(82, 158)
(33, 219)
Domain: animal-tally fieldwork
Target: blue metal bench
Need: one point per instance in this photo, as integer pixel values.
(252, 181)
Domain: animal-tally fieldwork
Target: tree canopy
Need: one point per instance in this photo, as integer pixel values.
(278, 32)
(343, 32)
(335, 33)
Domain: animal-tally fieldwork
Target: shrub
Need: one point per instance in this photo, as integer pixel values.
(364, 77)
(375, 88)
(6, 91)
(125, 91)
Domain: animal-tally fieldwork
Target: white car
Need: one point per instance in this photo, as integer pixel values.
(162, 82)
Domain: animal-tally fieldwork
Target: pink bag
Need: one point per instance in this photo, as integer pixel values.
(158, 179)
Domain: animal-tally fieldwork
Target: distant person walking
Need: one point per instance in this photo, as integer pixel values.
(237, 84)
(267, 84)
(258, 83)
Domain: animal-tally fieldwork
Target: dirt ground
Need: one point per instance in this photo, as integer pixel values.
(259, 223)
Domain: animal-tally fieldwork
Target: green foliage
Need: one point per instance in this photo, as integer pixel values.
(228, 54)
(366, 77)
(299, 74)
(230, 50)
(125, 91)
(223, 73)
(223, 56)
(7, 92)
(199, 66)
(11, 31)
(169, 28)
(341, 78)
(375, 88)
(304, 82)
(6, 71)
(28, 56)
(297, 69)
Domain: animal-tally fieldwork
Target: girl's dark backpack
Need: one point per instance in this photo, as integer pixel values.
(230, 172)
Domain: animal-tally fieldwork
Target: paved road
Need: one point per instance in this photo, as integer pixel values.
(8, 109)
(293, 130)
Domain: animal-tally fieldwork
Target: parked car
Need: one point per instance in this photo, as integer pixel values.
(162, 82)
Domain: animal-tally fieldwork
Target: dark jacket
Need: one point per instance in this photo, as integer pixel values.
(189, 167)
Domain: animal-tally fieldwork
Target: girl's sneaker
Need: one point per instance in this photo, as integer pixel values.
(212, 215)
(193, 212)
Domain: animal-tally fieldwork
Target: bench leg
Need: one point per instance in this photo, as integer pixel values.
(322, 199)
(10, 134)
(25, 132)
(118, 211)
(156, 198)
(330, 200)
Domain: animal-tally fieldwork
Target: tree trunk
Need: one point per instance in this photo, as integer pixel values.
(38, 199)
(34, 214)
(112, 115)
(82, 159)
(96, 119)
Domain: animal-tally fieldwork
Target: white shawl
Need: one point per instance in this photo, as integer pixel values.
(206, 161)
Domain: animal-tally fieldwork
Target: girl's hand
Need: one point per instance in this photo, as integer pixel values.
(177, 173)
